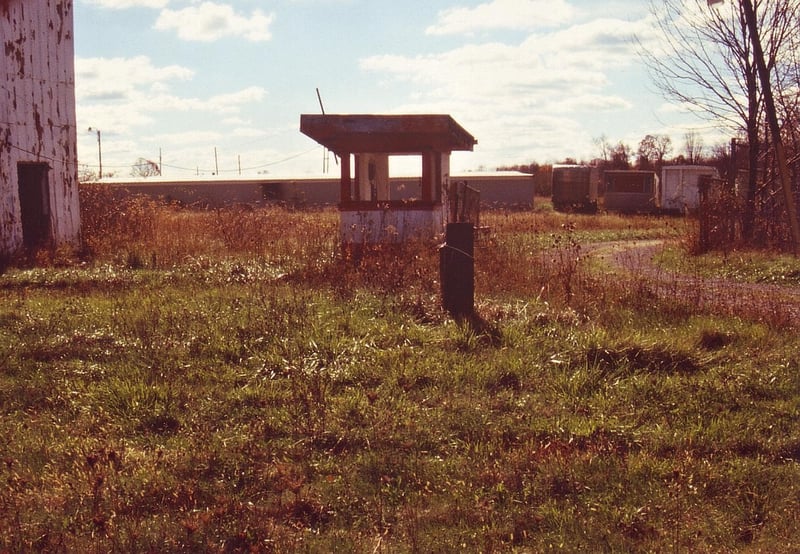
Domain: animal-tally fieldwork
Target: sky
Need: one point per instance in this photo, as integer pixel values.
(218, 86)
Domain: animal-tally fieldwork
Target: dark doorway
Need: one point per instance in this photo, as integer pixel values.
(34, 203)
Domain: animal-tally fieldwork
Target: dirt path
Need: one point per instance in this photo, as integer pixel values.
(773, 304)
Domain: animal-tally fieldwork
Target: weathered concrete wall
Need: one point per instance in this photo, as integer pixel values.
(37, 113)
(391, 226)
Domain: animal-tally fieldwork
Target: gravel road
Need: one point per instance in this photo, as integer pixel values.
(773, 304)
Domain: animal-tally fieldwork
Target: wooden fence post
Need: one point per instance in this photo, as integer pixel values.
(457, 270)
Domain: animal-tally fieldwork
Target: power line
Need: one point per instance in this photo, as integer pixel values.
(268, 164)
(38, 155)
(64, 161)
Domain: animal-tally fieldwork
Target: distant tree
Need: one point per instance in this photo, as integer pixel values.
(652, 151)
(532, 168)
(620, 156)
(721, 159)
(542, 179)
(604, 147)
(145, 168)
(86, 175)
(693, 147)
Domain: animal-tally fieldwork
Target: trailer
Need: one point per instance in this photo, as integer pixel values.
(574, 188)
(679, 187)
(631, 191)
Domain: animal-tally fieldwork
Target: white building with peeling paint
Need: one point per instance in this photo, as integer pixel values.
(39, 203)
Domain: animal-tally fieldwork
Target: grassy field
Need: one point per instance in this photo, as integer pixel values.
(222, 381)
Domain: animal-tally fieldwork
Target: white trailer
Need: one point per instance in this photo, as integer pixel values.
(679, 187)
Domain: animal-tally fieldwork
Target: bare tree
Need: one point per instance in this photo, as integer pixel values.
(604, 146)
(693, 147)
(703, 58)
(145, 168)
(652, 151)
(620, 156)
(85, 174)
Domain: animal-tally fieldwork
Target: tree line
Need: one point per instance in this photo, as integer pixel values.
(653, 152)
(736, 64)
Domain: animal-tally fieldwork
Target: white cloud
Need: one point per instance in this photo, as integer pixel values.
(100, 79)
(566, 69)
(208, 22)
(125, 4)
(229, 103)
(249, 133)
(235, 120)
(604, 42)
(124, 95)
(502, 14)
(501, 75)
(593, 103)
(224, 102)
(523, 100)
(189, 137)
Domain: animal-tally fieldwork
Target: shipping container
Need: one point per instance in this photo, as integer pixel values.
(574, 188)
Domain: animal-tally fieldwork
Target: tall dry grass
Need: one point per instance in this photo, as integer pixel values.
(144, 232)
(301, 245)
(540, 254)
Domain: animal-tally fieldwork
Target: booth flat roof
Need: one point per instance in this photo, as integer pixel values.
(397, 134)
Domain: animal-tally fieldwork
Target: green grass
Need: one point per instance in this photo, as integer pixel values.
(244, 399)
(744, 266)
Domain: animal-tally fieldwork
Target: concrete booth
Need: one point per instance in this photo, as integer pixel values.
(363, 145)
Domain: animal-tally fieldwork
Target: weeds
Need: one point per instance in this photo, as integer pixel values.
(237, 386)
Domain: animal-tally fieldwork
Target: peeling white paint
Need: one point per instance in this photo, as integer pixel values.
(391, 225)
(37, 115)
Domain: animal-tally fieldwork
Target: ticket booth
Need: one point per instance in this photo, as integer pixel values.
(363, 146)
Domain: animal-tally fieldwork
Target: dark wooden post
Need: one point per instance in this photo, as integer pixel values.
(346, 180)
(457, 270)
(704, 211)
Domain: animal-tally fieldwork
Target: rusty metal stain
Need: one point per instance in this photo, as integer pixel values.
(16, 52)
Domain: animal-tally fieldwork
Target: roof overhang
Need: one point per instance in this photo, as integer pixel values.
(393, 134)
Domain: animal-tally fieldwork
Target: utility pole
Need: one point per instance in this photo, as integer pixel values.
(99, 154)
